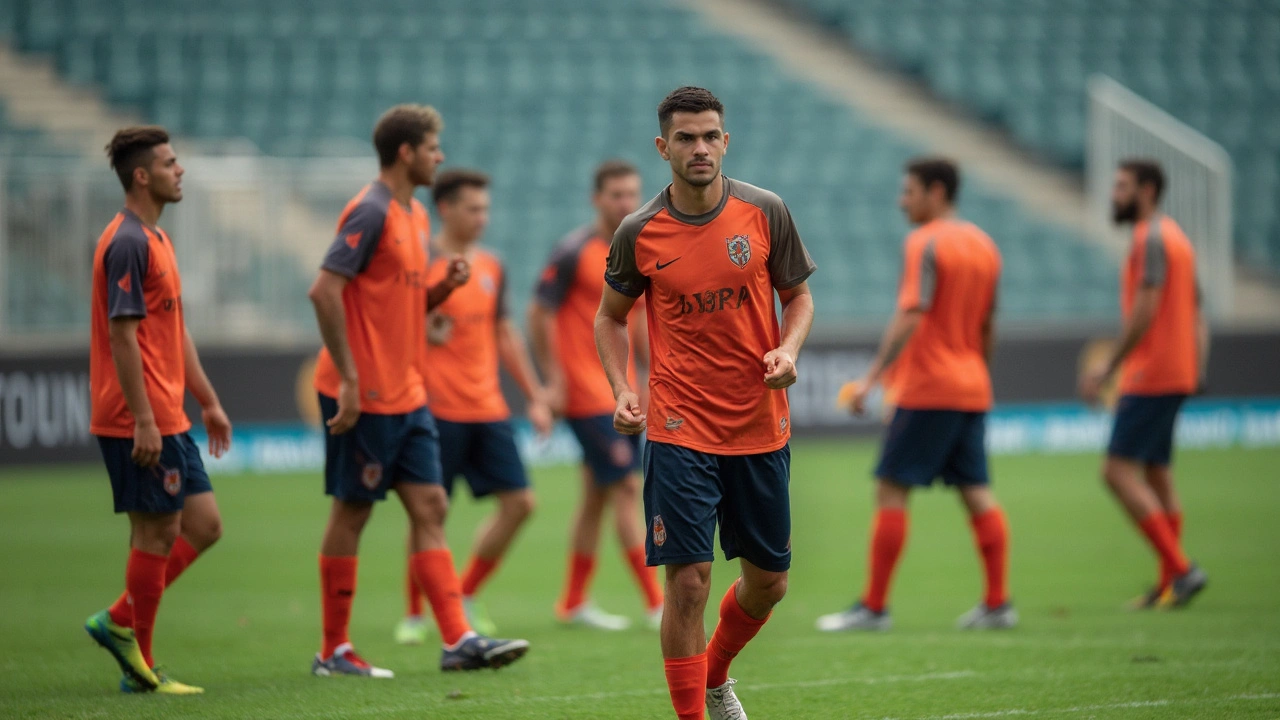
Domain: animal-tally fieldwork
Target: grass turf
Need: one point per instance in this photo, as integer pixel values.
(244, 622)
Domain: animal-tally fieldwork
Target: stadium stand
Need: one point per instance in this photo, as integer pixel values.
(308, 78)
(1214, 64)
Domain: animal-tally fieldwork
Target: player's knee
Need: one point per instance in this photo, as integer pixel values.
(519, 505)
(770, 589)
(689, 585)
(1113, 476)
(209, 532)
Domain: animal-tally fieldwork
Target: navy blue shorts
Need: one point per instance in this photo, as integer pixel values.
(687, 492)
(1143, 429)
(484, 453)
(609, 454)
(922, 445)
(361, 464)
(160, 489)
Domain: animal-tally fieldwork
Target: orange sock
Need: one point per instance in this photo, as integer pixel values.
(887, 539)
(991, 533)
(1157, 528)
(687, 681)
(646, 576)
(581, 568)
(412, 593)
(436, 575)
(180, 558)
(1175, 525)
(732, 633)
(478, 570)
(337, 592)
(144, 584)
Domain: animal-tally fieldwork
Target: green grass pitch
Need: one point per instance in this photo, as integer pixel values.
(244, 622)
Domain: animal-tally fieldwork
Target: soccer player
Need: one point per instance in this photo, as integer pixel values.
(561, 322)
(939, 346)
(708, 253)
(469, 333)
(371, 299)
(1159, 359)
(141, 362)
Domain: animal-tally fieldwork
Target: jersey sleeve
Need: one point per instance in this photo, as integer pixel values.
(622, 273)
(789, 261)
(557, 276)
(125, 263)
(501, 310)
(919, 275)
(1153, 262)
(358, 236)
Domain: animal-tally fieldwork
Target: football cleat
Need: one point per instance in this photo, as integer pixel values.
(858, 617)
(345, 661)
(1184, 587)
(478, 652)
(588, 615)
(1147, 600)
(411, 631)
(722, 703)
(654, 619)
(478, 617)
(123, 646)
(167, 686)
(989, 618)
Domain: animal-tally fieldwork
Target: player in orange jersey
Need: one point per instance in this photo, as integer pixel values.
(561, 321)
(470, 333)
(709, 254)
(371, 299)
(939, 346)
(141, 362)
(1159, 359)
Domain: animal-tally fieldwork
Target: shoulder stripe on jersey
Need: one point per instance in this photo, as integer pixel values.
(928, 273)
(1155, 264)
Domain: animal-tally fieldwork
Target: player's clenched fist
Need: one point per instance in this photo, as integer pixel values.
(459, 272)
(348, 408)
(628, 418)
(779, 369)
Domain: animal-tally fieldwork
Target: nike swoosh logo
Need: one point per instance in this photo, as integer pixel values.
(659, 265)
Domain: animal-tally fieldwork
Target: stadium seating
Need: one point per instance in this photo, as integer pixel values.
(536, 94)
(1215, 64)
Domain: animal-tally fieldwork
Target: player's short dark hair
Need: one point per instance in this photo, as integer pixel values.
(931, 170)
(131, 148)
(610, 169)
(404, 124)
(1146, 172)
(688, 99)
(449, 184)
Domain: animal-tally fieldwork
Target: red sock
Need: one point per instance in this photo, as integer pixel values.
(1166, 571)
(436, 575)
(412, 593)
(180, 558)
(732, 633)
(1157, 528)
(581, 568)
(687, 681)
(646, 576)
(337, 591)
(144, 584)
(478, 570)
(991, 533)
(887, 539)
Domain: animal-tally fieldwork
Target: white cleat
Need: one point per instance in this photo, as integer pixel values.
(722, 703)
(858, 617)
(588, 615)
(654, 621)
(985, 618)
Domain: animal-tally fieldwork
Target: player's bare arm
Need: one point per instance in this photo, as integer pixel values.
(989, 335)
(1145, 304)
(1204, 339)
(127, 357)
(326, 296)
(613, 344)
(895, 338)
(459, 274)
(514, 354)
(797, 319)
(542, 336)
(216, 422)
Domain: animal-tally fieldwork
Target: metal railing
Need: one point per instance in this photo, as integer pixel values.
(1198, 196)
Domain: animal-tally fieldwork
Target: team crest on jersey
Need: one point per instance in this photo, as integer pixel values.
(673, 423)
(371, 476)
(739, 250)
(172, 482)
(782, 425)
(486, 282)
(659, 531)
